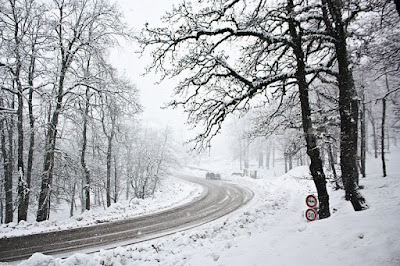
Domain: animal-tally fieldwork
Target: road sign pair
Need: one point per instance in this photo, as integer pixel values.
(312, 212)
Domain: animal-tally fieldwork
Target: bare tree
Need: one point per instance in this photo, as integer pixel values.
(109, 129)
(222, 83)
(78, 25)
(83, 151)
(152, 157)
(7, 135)
(336, 27)
(15, 21)
(363, 129)
(379, 57)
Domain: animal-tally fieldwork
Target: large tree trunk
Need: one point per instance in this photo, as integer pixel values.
(1, 204)
(363, 142)
(18, 32)
(128, 176)
(24, 211)
(348, 109)
(86, 171)
(316, 169)
(24, 197)
(383, 131)
(383, 137)
(71, 209)
(108, 181)
(22, 184)
(116, 180)
(286, 161)
(128, 172)
(43, 212)
(7, 167)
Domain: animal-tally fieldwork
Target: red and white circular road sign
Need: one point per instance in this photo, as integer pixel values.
(311, 215)
(311, 201)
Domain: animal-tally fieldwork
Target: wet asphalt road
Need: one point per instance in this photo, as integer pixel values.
(218, 199)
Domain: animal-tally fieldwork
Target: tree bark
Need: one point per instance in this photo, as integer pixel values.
(363, 136)
(115, 179)
(18, 32)
(23, 208)
(43, 212)
(128, 171)
(71, 209)
(383, 137)
(110, 138)
(109, 156)
(348, 107)
(7, 167)
(22, 183)
(286, 161)
(86, 171)
(383, 131)
(313, 152)
(1, 202)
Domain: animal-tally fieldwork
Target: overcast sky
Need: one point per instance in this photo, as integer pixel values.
(152, 96)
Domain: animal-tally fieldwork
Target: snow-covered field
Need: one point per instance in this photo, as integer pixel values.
(272, 230)
(173, 192)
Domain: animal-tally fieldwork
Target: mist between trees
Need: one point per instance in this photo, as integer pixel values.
(305, 70)
(68, 120)
(302, 67)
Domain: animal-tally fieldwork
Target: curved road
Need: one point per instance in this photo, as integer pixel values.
(217, 200)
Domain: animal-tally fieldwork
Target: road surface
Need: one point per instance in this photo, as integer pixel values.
(218, 199)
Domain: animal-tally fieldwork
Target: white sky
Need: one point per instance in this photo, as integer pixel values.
(152, 96)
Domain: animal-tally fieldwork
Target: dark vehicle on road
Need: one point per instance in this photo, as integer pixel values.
(213, 176)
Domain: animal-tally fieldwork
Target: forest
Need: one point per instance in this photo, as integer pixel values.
(319, 77)
(69, 121)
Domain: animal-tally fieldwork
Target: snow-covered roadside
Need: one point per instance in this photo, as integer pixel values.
(172, 192)
(272, 230)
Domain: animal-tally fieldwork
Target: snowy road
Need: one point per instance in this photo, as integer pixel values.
(219, 198)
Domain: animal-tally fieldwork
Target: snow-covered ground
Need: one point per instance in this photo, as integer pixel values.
(172, 192)
(272, 230)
